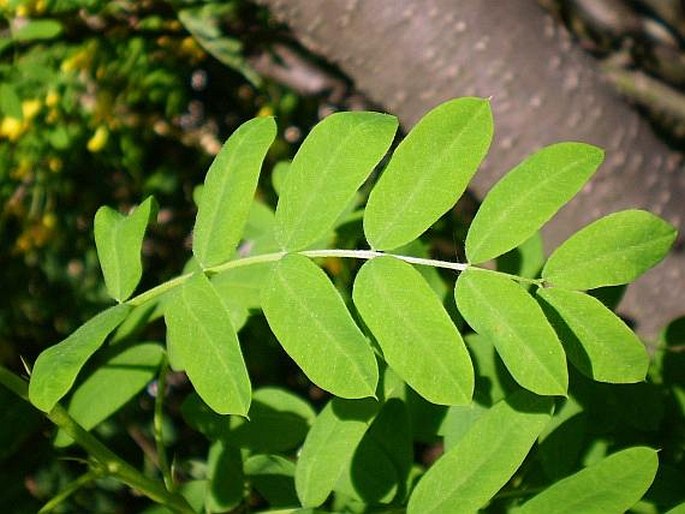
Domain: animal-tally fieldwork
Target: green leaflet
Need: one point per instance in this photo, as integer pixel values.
(278, 421)
(202, 341)
(313, 325)
(613, 250)
(56, 368)
(34, 30)
(613, 484)
(597, 341)
(274, 477)
(329, 447)
(118, 240)
(470, 474)
(111, 386)
(428, 172)
(419, 341)
(225, 486)
(228, 191)
(528, 196)
(333, 162)
(504, 312)
(10, 102)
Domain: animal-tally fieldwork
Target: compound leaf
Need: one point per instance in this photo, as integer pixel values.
(417, 336)
(597, 341)
(330, 446)
(428, 172)
(504, 312)
(613, 250)
(111, 385)
(119, 240)
(312, 323)
(229, 190)
(614, 484)
(528, 196)
(56, 368)
(202, 341)
(470, 474)
(332, 163)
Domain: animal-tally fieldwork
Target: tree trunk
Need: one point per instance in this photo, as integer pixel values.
(409, 55)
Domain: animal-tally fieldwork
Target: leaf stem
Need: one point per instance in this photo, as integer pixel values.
(159, 290)
(70, 489)
(158, 422)
(115, 466)
(111, 463)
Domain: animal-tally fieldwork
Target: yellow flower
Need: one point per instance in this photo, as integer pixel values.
(49, 220)
(99, 139)
(265, 111)
(55, 164)
(30, 108)
(11, 128)
(52, 98)
(22, 11)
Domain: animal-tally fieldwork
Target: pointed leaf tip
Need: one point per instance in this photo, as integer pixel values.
(228, 191)
(334, 160)
(529, 196)
(312, 323)
(428, 172)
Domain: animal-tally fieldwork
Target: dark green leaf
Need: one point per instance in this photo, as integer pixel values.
(229, 190)
(428, 172)
(613, 250)
(56, 368)
(417, 336)
(470, 474)
(278, 421)
(202, 341)
(528, 196)
(274, 478)
(330, 446)
(504, 312)
(225, 478)
(333, 162)
(614, 484)
(119, 240)
(313, 325)
(597, 341)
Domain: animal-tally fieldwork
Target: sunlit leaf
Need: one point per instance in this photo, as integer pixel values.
(333, 162)
(330, 446)
(111, 385)
(465, 478)
(201, 341)
(417, 336)
(528, 196)
(229, 190)
(613, 250)
(56, 368)
(428, 172)
(597, 341)
(313, 325)
(503, 311)
(613, 484)
(119, 240)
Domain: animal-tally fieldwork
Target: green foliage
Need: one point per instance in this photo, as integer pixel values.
(553, 400)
